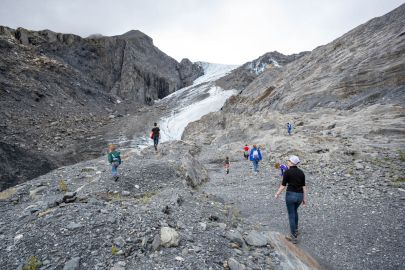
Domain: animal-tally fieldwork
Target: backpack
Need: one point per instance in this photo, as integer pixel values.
(255, 154)
(116, 157)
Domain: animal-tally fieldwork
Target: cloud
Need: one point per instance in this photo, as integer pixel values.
(222, 31)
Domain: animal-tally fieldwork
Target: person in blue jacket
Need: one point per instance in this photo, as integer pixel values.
(289, 128)
(255, 156)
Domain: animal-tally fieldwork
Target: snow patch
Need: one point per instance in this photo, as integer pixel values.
(172, 127)
(213, 72)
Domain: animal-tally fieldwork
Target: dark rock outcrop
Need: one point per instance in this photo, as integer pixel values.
(57, 91)
(189, 71)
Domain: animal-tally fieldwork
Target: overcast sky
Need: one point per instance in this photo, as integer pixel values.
(218, 31)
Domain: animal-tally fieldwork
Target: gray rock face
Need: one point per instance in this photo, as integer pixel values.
(195, 173)
(363, 67)
(189, 71)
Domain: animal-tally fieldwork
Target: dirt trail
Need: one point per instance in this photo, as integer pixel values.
(333, 228)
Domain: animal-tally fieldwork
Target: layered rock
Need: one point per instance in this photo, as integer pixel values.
(363, 67)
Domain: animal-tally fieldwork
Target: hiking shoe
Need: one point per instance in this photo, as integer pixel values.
(298, 232)
(292, 238)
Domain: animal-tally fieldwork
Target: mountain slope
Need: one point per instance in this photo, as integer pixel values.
(57, 91)
(363, 67)
(346, 103)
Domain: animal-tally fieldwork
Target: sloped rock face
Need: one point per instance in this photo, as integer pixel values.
(58, 90)
(129, 65)
(245, 74)
(363, 67)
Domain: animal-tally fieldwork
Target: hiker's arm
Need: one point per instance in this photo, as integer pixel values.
(280, 189)
(304, 201)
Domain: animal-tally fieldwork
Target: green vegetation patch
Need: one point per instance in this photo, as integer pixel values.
(32, 264)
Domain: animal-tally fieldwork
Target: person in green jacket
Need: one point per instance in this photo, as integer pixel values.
(115, 160)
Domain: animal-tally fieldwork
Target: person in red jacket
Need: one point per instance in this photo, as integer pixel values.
(246, 151)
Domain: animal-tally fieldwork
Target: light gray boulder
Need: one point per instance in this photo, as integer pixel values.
(169, 237)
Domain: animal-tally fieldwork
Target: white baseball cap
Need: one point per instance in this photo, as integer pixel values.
(294, 160)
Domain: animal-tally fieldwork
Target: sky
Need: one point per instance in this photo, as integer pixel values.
(216, 31)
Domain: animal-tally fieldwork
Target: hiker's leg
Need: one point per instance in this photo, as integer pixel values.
(255, 163)
(116, 169)
(113, 170)
(300, 197)
(156, 142)
(290, 203)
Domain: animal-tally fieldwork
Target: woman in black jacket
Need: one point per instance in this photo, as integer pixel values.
(294, 179)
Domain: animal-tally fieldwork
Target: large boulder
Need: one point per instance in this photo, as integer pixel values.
(169, 237)
(194, 173)
(256, 239)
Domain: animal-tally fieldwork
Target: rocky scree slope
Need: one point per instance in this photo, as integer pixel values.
(57, 90)
(153, 217)
(345, 100)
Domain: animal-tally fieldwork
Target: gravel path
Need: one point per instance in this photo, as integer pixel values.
(354, 230)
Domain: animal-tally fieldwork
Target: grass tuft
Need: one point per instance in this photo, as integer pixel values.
(62, 186)
(114, 250)
(32, 264)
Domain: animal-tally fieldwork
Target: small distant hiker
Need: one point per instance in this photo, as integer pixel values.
(246, 151)
(294, 179)
(255, 157)
(227, 165)
(289, 128)
(115, 160)
(155, 135)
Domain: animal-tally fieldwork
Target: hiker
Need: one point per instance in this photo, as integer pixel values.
(255, 157)
(246, 151)
(294, 179)
(227, 165)
(115, 160)
(155, 135)
(289, 128)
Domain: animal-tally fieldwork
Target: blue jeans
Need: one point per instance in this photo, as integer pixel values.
(293, 201)
(255, 165)
(155, 141)
(114, 168)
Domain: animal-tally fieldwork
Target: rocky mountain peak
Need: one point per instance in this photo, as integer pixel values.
(189, 71)
(136, 34)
